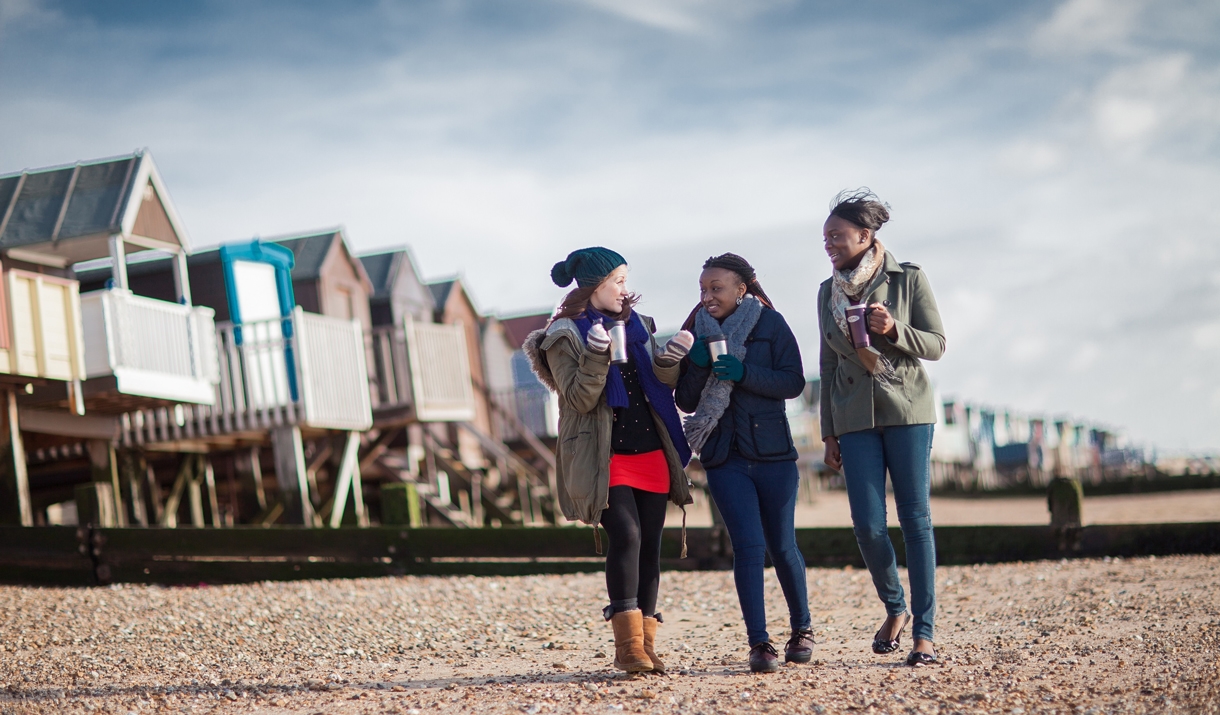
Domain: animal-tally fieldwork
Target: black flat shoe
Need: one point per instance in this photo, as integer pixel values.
(763, 658)
(918, 657)
(881, 646)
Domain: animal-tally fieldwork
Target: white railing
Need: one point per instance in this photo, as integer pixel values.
(305, 369)
(152, 348)
(334, 368)
(390, 381)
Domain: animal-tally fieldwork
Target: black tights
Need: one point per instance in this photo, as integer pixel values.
(634, 520)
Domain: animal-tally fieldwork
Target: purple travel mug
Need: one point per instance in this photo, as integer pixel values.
(857, 324)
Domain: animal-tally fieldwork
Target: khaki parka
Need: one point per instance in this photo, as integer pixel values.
(577, 375)
(851, 399)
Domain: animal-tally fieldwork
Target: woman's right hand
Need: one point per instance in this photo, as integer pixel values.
(598, 339)
(833, 457)
(698, 353)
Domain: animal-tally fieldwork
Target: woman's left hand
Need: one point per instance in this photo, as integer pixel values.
(728, 367)
(881, 322)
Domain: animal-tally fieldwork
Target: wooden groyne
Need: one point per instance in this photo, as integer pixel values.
(95, 556)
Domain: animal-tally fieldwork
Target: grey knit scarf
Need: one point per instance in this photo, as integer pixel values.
(714, 399)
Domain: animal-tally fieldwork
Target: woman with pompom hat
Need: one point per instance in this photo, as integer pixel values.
(621, 454)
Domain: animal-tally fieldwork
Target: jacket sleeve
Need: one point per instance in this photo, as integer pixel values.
(828, 364)
(785, 379)
(581, 379)
(667, 374)
(924, 336)
(690, 385)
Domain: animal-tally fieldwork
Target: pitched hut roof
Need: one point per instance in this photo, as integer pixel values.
(68, 213)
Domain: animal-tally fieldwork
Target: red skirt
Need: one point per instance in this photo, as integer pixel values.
(648, 472)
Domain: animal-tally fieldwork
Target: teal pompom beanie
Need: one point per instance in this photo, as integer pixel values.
(589, 266)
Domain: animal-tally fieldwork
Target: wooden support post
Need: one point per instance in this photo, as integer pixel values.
(104, 463)
(209, 481)
(15, 505)
(170, 517)
(129, 470)
(400, 504)
(195, 491)
(290, 474)
(348, 479)
(476, 499)
(182, 281)
(1065, 500)
(154, 493)
(118, 258)
(253, 494)
(95, 505)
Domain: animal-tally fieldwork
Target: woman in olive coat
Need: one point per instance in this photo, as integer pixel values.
(878, 409)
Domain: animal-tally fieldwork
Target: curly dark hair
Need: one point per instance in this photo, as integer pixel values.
(862, 207)
(743, 269)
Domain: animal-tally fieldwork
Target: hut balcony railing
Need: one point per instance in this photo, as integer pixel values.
(303, 369)
(152, 348)
(390, 378)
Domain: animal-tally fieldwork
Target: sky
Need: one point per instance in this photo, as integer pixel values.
(1053, 166)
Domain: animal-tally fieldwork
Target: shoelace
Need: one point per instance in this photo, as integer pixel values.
(765, 645)
(795, 640)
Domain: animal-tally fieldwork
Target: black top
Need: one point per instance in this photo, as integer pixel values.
(634, 431)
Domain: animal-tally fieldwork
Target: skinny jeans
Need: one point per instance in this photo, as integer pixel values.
(758, 503)
(905, 452)
(634, 520)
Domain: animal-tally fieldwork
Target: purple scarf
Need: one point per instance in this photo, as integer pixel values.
(660, 396)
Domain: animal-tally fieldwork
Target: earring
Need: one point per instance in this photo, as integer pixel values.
(739, 299)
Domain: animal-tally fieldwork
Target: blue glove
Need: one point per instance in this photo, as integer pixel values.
(698, 353)
(728, 367)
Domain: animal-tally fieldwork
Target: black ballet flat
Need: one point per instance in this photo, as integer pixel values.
(918, 657)
(881, 646)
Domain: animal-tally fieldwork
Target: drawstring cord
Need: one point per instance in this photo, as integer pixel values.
(683, 533)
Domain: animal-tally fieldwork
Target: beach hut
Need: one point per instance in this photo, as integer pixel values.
(80, 359)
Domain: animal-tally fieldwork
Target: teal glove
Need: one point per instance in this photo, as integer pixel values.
(698, 353)
(728, 367)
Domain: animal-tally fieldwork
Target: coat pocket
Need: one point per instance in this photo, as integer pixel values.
(772, 437)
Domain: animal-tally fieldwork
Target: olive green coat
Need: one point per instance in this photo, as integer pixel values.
(564, 363)
(851, 399)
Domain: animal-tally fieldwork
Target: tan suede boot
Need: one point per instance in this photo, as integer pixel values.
(650, 640)
(629, 652)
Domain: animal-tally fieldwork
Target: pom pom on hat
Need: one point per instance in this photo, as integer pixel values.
(589, 266)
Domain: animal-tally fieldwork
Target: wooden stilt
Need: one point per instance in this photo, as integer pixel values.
(209, 481)
(290, 474)
(15, 506)
(104, 463)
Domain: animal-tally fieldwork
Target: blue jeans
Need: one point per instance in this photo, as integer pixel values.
(905, 451)
(758, 503)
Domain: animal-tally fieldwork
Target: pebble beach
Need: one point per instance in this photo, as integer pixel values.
(1091, 636)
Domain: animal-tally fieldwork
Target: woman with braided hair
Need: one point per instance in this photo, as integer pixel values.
(878, 409)
(622, 454)
(740, 430)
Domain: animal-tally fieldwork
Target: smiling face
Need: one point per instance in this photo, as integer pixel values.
(611, 292)
(845, 242)
(719, 289)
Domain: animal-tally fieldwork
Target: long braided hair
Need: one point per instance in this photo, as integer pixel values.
(743, 269)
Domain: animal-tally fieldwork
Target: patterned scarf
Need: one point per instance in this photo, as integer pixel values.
(714, 399)
(849, 288)
(660, 396)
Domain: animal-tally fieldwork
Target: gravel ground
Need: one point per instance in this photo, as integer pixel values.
(1094, 636)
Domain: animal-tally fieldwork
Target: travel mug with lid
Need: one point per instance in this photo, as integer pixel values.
(857, 325)
(717, 345)
(618, 342)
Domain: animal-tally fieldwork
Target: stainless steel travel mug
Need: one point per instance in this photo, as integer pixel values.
(857, 325)
(618, 342)
(717, 345)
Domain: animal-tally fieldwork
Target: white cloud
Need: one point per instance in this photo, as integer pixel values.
(1084, 26)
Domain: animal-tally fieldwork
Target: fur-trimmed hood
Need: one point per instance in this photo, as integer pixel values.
(533, 349)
